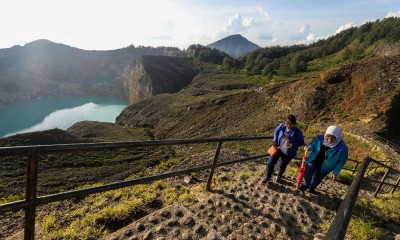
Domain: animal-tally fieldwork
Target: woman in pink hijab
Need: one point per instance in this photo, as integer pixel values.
(328, 153)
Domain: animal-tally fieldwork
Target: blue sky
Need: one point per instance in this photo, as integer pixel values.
(106, 25)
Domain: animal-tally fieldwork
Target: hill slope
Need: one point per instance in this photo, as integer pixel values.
(45, 69)
(360, 97)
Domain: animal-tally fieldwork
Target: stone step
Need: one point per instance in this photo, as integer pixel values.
(172, 222)
(246, 210)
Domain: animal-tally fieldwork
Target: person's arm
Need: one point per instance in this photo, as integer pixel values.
(299, 139)
(276, 134)
(310, 147)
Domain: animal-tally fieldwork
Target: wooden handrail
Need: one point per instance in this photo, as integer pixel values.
(33, 152)
(338, 228)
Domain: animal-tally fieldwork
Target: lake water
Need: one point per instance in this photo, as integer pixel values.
(43, 114)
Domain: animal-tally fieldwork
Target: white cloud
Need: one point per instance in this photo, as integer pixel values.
(302, 34)
(236, 24)
(345, 27)
(393, 14)
(247, 22)
(265, 15)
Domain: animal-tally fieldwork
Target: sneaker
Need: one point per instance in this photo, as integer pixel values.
(278, 179)
(303, 188)
(266, 180)
(312, 191)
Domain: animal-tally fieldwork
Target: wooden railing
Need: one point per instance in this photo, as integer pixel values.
(338, 228)
(33, 152)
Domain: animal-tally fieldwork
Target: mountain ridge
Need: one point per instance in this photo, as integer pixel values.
(235, 45)
(45, 69)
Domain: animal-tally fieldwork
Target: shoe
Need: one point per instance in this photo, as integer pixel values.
(266, 180)
(303, 188)
(278, 179)
(312, 191)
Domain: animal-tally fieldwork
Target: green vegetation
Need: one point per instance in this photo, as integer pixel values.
(206, 54)
(243, 175)
(362, 228)
(372, 213)
(345, 47)
(166, 164)
(91, 217)
(346, 177)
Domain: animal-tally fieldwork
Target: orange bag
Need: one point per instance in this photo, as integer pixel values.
(273, 150)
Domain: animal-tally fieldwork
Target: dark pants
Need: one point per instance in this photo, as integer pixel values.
(284, 161)
(313, 176)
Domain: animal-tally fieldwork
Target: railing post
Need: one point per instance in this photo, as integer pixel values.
(382, 181)
(213, 168)
(31, 190)
(395, 186)
(339, 226)
(355, 168)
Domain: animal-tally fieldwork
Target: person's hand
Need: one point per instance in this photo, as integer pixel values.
(334, 177)
(306, 147)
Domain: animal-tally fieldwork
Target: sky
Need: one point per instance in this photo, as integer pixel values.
(108, 25)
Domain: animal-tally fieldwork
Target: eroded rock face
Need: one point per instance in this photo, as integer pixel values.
(150, 76)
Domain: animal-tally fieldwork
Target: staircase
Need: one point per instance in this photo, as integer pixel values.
(246, 210)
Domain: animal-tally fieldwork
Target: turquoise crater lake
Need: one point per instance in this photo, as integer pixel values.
(43, 114)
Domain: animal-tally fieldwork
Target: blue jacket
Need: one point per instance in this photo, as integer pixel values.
(295, 138)
(335, 158)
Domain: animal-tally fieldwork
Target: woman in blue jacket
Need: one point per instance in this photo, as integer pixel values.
(288, 138)
(328, 154)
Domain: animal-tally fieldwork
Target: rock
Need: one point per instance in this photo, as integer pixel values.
(160, 229)
(140, 227)
(114, 238)
(178, 212)
(397, 237)
(153, 220)
(176, 232)
(187, 180)
(212, 236)
(148, 235)
(264, 224)
(172, 222)
(319, 236)
(128, 232)
(165, 214)
(186, 236)
(133, 238)
(198, 228)
(188, 221)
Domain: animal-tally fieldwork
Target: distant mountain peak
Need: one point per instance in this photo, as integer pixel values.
(235, 45)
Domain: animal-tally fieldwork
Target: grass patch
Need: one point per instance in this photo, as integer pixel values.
(92, 217)
(378, 154)
(370, 214)
(222, 180)
(345, 177)
(166, 164)
(243, 175)
(12, 198)
(362, 228)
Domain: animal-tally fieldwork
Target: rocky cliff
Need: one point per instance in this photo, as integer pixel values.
(46, 69)
(151, 75)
